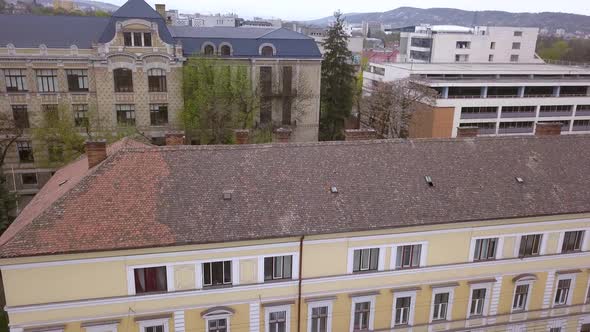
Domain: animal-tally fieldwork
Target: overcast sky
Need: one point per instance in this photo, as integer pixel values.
(312, 9)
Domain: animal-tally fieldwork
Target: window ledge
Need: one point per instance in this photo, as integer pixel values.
(272, 281)
(218, 286)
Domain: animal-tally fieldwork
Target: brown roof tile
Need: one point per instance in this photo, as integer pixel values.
(170, 196)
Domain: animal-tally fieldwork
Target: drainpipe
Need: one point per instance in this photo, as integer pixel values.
(300, 276)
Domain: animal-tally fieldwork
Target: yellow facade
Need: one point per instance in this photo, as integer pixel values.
(68, 292)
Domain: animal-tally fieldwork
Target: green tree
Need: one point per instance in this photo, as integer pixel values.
(9, 134)
(337, 82)
(218, 98)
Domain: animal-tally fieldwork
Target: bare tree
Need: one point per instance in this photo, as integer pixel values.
(9, 134)
(390, 105)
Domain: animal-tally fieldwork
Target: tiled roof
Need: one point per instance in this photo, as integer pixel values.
(30, 31)
(172, 196)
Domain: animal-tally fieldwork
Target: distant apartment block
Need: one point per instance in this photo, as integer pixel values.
(498, 99)
(480, 44)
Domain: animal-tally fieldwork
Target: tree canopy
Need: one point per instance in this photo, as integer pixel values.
(338, 82)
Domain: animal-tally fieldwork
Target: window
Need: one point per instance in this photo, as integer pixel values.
(125, 115)
(20, 116)
(521, 294)
(562, 292)
(217, 273)
(29, 178)
(123, 80)
(461, 57)
(150, 279)
(267, 51)
(147, 39)
(555, 329)
(517, 33)
(46, 80)
(50, 114)
(287, 91)
(463, 44)
(319, 319)
(402, 310)
(25, 151)
(362, 313)
(266, 92)
(491, 58)
(127, 40)
(156, 80)
(492, 45)
(55, 151)
(225, 50)
(365, 260)
(516, 46)
(77, 79)
(278, 267)
(514, 58)
(408, 256)
(572, 241)
(208, 50)
(217, 325)
(277, 321)
(585, 328)
(158, 114)
(478, 297)
(587, 301)
(530, 245)
(155, 328)
(80, 115)
(485, 249)
(441, 305)
(16, 80)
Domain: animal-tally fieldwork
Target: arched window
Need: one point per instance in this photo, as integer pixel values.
(267, 51)
(208, 50)
(123, 80)
(225, 50)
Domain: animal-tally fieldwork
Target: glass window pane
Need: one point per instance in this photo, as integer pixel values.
(374, 265)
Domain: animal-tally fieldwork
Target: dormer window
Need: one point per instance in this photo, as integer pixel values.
(267, 51)
(208, 50)
(137, 39)
(225, 50)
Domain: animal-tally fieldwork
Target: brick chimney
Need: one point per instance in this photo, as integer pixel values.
(176, 138)
(467, 131)
(283, 135)
(242, 136)
(161, 9)
(548, 129)
(96, 152)
(360, 134)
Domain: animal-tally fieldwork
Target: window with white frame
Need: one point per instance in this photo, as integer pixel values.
(217, 319)
(320, 319)
(217, 273)
(217, 325)
(278, 267)
(365, 260)
(16, 80)
(521, 294)
(572, 241)
(530, 245)
(408, 256)
(153, 325)
(150, 279)
(46, 80)
(77, 79)
(485, 249)
(402, 310)
(362, 316)
(278, 319)
(478, 298)
(440, 306)
(562, 292)
(587, 301)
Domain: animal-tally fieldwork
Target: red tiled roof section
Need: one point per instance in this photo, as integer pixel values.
(141, 198)
(60, 183)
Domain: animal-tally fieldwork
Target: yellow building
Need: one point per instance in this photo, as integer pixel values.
(470, 234)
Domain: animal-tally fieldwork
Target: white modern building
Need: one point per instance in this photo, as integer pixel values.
(214, 20)
(480, 44)
(499, 99)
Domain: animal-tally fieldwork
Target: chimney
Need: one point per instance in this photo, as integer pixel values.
(360, 134)
(161, 9)
(467, 131)
(242, 136)
(548, 129)
(283, 135)
(96, 152)
(174, 138)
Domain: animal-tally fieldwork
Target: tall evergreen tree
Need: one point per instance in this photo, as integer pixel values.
(338, 82)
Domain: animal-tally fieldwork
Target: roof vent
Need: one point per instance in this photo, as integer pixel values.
(333, 190)
(519, 179)
(429, 181)
(62, 183)
(227, 195)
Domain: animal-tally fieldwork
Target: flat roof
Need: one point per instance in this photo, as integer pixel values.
(486, 68)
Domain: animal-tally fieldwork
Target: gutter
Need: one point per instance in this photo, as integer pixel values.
(299, 283)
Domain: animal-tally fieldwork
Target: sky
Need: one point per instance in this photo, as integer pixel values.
(313, 9)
